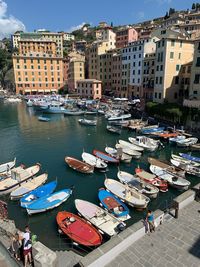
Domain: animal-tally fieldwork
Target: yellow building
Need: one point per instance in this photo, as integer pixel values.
(148, 76)
(89, 88)
(76, 69)
(37, 67)
(194, 92)
(171, 55)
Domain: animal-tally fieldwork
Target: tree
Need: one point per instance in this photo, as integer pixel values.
(171, 11)
(111, 24)
(193, 6)
(166, 15)
(197, 6)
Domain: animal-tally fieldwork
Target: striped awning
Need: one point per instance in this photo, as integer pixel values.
(34, 90)
(27, 90)
(47, 90)
(40, 91)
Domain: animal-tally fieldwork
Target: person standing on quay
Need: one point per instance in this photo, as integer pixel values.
(27, 246)
(150, 221)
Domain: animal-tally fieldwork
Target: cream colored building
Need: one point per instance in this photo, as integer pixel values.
(148, 76)
(76, 70)
(194, 92)
(89, 88)
(171, 55)
(41, 35)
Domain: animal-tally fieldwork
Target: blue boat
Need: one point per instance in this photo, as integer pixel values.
(152, 130)
(111, 203)
(189, 157)
(49, 202)
(34, 195)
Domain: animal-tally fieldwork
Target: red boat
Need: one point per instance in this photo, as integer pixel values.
(78, 229)
(104, 156)
(152, 179)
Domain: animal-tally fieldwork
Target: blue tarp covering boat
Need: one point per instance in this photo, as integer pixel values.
(189, 157)
(105, 157)
(111, 203)
(34, 195)
(49, 202)
(152, 130)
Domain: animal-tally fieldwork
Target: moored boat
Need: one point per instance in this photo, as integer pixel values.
(42, 118)
(189, 168)
(79, 165)
(94, 161)
(119, 117)
(177, 138)
(19, 176)
(187, 142)
(173, 179)
(152, 179)
(29, 186)
(190, 157)
(73, 112)
(37, 193)
(104, 156)
(48, 202)
(79, 230)
(145, 142)
(88, 122)
(195, 147)
(184, 160)
(146, 130)
(140, 185)
(126, 193)
(128, 151)
(131, 146)
(113, 129)
(114, 205)
(5, 167)
(106, 222)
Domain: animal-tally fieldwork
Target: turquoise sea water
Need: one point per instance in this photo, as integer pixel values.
(30, 141)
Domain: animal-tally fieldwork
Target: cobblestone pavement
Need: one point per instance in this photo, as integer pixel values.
(176, 243)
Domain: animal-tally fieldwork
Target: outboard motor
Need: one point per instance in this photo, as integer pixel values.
(121, 226)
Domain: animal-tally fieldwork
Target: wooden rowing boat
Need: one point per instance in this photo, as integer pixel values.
(79, 165)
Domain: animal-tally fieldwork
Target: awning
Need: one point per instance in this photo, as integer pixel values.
(40, 91)
(27, 90)
(47, 90)
(34, 90)
(54, 90)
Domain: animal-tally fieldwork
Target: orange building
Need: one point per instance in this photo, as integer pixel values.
(37, 67)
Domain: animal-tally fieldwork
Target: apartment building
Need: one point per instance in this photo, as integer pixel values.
(133, 56)
(125, 36)
(37, 67)
(105, 70)
(171, 55)
(40, 35)
(76, 70)
(89, 88)
(148, 76)
(194, 91)
(116, 73)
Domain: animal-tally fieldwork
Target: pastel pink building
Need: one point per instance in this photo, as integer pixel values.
(125, 36)
(89, 88)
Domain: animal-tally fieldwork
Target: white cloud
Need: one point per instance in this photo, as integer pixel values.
(8, 23)
(77, 27)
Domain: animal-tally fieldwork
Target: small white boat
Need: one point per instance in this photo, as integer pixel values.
(74, 112)
(30, 185)
(29, 103)
(126, 193)
(54, 109)
(185, 161)
(111, 151)
(187, 142)
(88, 122)
(189, 168)
(174, 180)
(177, 138)
(145, 142)
(118, 153)
(120, 117)
(42, 118)
(128, 151)
(94, 161)
(6, 167)
(139, 185)
(19, 176)
(131, 146)
(102, 219)
(12, 100)
(113, 129)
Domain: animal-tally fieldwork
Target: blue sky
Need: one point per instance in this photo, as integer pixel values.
(64, 14)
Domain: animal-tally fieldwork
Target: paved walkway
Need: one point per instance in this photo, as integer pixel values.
(176, 243)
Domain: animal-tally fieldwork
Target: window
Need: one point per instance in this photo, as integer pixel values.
(171, 55)
(179, 56)
(39, 67)
(161, 67)
(155, 95)
(177, 67)
(163, 42)
(197, 78)
(172, 42)
(25, 66)
(159, 96)
(176, 80)
(160, 80)
(198, 62)
(52, 79)
(24, 60)
(195, 92)
(157, 68)
(38, 61)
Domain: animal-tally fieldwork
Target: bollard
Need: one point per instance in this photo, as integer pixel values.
(176, 208)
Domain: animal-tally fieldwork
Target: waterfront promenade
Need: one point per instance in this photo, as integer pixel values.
(176, 243)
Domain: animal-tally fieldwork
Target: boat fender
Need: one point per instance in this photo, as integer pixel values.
(121, 227)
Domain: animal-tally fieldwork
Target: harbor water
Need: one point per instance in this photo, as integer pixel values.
(31, 141)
